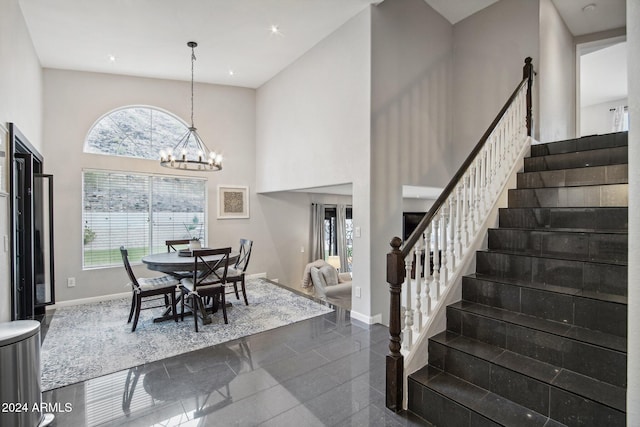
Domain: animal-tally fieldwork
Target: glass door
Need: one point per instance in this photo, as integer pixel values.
(43, 240)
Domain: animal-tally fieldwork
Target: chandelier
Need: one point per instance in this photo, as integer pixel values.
(191, 153)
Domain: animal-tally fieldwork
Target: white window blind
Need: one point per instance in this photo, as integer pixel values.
(139, 212)
(178, 209)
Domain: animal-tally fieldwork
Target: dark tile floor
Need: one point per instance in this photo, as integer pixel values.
(325, 371)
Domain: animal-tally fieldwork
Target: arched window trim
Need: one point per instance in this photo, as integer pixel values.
(86, 147)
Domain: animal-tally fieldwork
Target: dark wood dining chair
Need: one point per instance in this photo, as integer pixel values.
(171, 244)
(237, 272)
(149, 289)
(207, 284)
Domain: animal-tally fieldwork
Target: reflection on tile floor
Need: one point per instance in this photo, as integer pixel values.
(328, 370)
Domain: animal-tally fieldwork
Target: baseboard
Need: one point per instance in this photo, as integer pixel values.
(88, 300)
(120, 295)
(369, 320)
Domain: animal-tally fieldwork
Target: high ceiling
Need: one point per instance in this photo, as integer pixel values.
(149, 37)
(253, 38)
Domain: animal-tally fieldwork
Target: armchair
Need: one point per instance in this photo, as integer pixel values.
(328, 283)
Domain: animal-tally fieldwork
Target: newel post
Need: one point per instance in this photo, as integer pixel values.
(527, 73)
(395, 360)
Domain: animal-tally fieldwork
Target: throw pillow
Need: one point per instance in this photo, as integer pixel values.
(330, 275)
(315, 277)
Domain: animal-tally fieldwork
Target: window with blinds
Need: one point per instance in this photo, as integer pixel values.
(139, 212)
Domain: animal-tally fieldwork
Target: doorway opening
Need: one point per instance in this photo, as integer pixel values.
(602, 87)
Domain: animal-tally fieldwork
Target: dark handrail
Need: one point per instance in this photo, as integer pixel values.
(395, 259)
(424, 222)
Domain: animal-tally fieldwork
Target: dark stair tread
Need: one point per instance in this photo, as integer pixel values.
(565, 230)
(615, 231)
(477, 399)
(596, 184)
(587, 218)
(619, 299)
(586, 196)
(563, 330)
(588, 142)
(577, 159)
(554, 257)
(560, 255)
(575, 177)
(587, 387)
(593, 246)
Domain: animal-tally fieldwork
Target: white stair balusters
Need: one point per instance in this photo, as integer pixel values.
(455, 225)
(407, 334)
(418, 278)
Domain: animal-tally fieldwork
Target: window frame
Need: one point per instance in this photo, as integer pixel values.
(150, 190)
(126, 107)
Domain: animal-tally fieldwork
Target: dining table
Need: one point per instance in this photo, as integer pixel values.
(179, 266)
(176, 264)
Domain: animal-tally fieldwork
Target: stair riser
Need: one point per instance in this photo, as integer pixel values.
(603, 316)
(580, 159)
(599, 247)
(593, 142)
(571, 218)
(568, 409)
(613, 174)
(603, 364)
(494, 378)
(615, 195)
(573, 410)
(585, 276)
(540, 396)
(440, 411)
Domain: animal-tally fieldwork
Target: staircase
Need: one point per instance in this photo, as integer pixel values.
(539, 337)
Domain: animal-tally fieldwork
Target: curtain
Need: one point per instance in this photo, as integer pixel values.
(341, 236)
(317, 232)
(617, 124)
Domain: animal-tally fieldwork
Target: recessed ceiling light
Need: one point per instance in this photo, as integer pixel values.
(275, 30)
(589, 8)
(112, 58)
(231, 72)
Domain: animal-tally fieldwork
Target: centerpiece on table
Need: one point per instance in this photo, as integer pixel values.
(194, 229)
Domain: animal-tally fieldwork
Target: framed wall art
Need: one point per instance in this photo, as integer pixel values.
(233, 201)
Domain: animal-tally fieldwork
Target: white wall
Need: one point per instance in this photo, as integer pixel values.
(410, 121)
(313, 116)
(633, 346)
(489, 51)
(312, 130)
(598, 119)
(556, 76)
(20, 103)
(225, 117)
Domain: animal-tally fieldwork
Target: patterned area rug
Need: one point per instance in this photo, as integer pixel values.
(90, 340)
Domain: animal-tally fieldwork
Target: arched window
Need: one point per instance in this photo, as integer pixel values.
(138, 210)
(134, 131)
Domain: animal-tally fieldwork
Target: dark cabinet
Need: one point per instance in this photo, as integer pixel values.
(31, 195)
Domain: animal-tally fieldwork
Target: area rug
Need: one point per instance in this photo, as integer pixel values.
(90, 340)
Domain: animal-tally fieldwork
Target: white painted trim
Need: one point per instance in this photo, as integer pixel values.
(80, 301)
(377, 318)
(88, 300)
